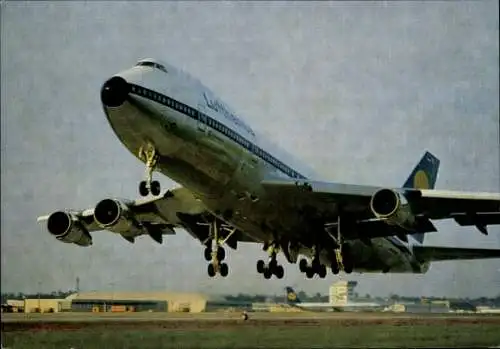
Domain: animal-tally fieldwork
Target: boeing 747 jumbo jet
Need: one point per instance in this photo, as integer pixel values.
(293, 300)
(236, 187)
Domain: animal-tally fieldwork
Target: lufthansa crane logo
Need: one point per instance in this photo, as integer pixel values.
(292, 296)
(421, 180)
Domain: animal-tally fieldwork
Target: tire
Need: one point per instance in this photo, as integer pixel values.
(143, 188)
(303, 265)
(310, 273)
(221, 254)
(261, 266)
(267, 273)
(322, 271)
(155, 188)
(224, 270)
(279, 272)
(211, 270)
(208, 254)
(315, 264)
(347, 259)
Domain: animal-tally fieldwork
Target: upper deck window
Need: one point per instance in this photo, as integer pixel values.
(152, 64)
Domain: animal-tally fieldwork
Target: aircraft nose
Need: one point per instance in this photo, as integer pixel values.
(114, 92)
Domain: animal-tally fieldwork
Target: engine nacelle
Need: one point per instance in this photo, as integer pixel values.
(393, 206)
(115, 215)
(67, 228)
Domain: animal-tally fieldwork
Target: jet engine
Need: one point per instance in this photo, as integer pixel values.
(392, 206)
(115, 215)
(67, 228)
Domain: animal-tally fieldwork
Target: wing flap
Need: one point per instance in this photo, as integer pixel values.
(435, 254)
(440, 204)
(375, 228)
(480, 220)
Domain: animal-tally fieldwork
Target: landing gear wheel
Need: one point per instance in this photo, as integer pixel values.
(143, 188)
(211, 270)
(224, 270)
(315, 264)
(221, 254)
(214, 252)
(279, 272)
(155, 188)
(322, 271)
(208, 254)
(303, 265)
(309, 273)
(272, 267)
(347, 258)
(261, 266)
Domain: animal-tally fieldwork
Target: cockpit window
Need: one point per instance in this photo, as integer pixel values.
(152, 64)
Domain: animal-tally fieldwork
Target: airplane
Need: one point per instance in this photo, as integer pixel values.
(237, 187)
(294, 301)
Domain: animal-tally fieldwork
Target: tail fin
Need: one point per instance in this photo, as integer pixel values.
(291, 296)
(423, 176)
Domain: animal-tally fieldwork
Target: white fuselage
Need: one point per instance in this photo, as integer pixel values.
(207, 149)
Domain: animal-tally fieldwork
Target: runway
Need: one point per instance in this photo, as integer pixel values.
(287, 317)
(229, 330)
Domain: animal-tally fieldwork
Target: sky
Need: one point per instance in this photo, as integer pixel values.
(356, 90)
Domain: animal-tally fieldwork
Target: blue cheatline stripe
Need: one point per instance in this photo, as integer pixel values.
(214, 125)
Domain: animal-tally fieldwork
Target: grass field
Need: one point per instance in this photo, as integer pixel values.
(254, 333)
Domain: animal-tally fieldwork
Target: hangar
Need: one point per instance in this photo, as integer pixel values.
(138, 301)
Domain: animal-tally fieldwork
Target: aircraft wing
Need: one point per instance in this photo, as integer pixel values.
(405, 210)
(157, 216)
(435, 254)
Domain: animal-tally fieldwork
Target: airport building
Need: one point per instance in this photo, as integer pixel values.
(342, 292)
(36, 305)
(138, 301)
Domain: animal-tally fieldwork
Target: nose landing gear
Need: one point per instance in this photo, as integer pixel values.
(149, 155)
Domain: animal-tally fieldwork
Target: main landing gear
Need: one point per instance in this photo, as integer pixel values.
(315, 267)
(150, 156)
(343, 255)
(215, 253)
(272, 268)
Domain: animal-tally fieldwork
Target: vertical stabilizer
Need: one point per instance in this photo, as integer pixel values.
(423, 176)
